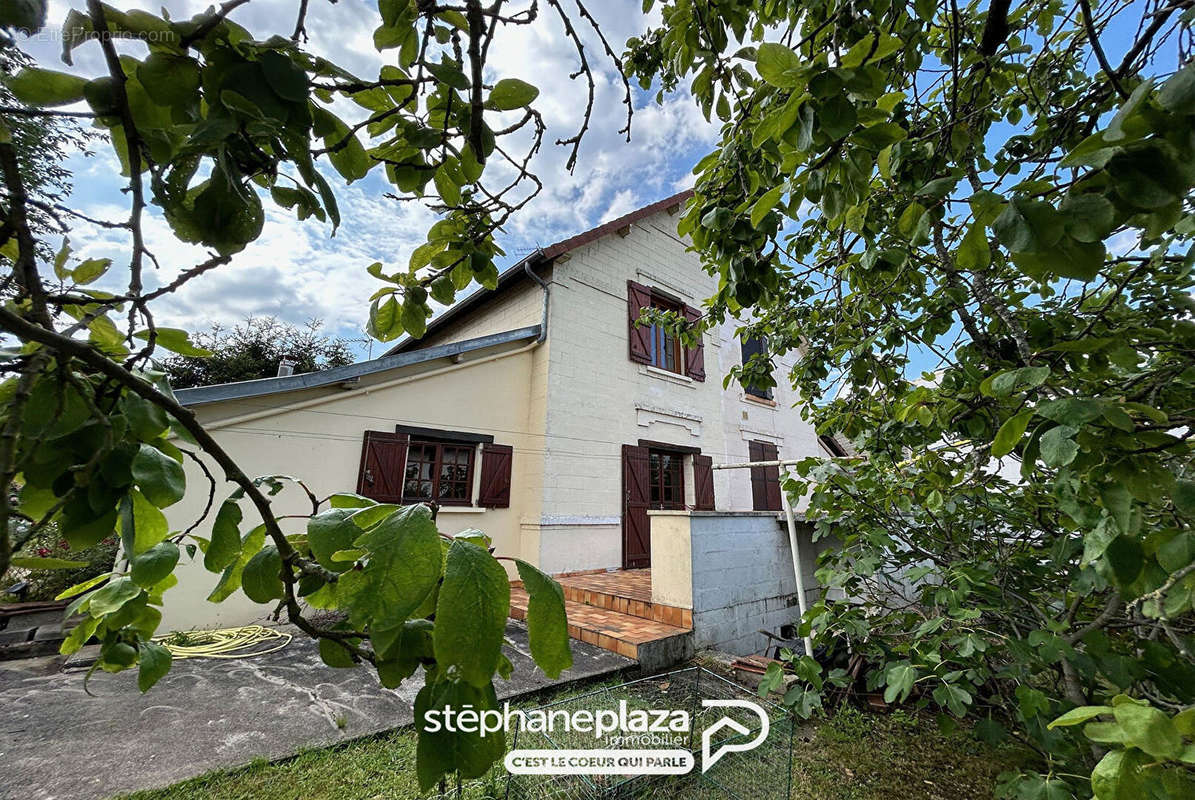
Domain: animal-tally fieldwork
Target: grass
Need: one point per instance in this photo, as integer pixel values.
(850, 755)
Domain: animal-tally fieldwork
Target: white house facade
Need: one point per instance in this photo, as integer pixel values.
(537, 412)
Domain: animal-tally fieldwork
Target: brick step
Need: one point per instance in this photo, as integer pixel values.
(654, 645)
(624, 591)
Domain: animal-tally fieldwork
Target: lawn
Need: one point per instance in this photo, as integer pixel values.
(850, 755)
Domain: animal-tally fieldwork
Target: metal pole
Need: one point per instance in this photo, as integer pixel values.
(797, 571)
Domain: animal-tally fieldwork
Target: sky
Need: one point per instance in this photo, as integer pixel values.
(298, 271)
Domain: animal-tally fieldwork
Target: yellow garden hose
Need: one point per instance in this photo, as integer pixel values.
(245, 642)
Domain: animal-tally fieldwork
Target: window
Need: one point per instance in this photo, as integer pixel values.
(666, 479)
(752, 345)
(651, 345)
(666, 350)
(439, 471)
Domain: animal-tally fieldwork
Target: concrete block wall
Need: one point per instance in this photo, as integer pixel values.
(740, 575)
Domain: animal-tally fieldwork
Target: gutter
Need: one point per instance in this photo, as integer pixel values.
(543, 325)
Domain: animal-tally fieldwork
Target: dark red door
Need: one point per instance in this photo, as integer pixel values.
(636, 527)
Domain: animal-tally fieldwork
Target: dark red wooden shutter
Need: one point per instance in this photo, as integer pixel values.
(695, 356)
(496, 460)
(383, 461)
(703, 483)
(765, 481)
(638, 298)
(636, 526)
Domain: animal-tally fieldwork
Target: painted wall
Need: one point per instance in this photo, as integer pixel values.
(322, 445)
(598, 399)
(736, 568)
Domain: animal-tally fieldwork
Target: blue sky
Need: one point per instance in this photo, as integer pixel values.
(297, 271)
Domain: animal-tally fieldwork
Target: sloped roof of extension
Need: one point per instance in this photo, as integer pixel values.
(515, 274)
(406, 353)
(449, 353)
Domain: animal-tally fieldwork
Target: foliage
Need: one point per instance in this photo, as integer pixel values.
(45, 549)
(253, 349)
(975, 228)
(210, 124)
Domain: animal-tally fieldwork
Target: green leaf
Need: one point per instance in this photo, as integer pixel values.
(169, 79)
(1028, 226)
(765, 204)
(867, 50)
(226, 538)
(159, 476)
(547, 625)
(1184, 497)
(46, 563)
(778, 65)
(175, 340)
(1079, 715)
(1126, 557)
(1073, 411)
(511, 93)
(82, 586)
(900, 679)
(471, 613)
(1058, 447)
(154, 661)
(142, 524)
(907, 223)
(403, 568)
(330, 532)
(151, 567)
(45, 87)
(837, 117)
(973, 252)
(230, 579)
(1149, 729)
(261, 577)
(335, 655)
(90, 270)
(112, 597)
(1010, 433)
(1178, 92)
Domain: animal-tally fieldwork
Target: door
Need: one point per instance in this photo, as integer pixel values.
(636, 492)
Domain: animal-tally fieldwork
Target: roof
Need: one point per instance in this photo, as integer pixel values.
(201, 395)
(516, 273)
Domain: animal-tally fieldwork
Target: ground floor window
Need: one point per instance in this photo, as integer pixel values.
(666, 479)
(439, 471)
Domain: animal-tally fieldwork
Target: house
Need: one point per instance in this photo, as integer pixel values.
(537, 412)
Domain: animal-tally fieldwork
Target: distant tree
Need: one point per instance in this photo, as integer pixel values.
(254, 349)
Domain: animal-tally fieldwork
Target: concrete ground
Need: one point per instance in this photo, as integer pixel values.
(57, 743)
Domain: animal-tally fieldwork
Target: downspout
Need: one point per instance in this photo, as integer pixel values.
(543, 325)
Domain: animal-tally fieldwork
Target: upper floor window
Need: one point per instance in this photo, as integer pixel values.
(751, 346)
(440, 472)
(651, 344)
(666, 350)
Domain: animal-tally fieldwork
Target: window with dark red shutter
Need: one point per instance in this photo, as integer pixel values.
(765, 481)
(383, 462)
(703, 483)
(496, 462)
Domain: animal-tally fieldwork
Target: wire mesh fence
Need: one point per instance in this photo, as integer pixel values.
(761, 773)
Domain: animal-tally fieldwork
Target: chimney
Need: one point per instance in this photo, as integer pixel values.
(286, 366)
